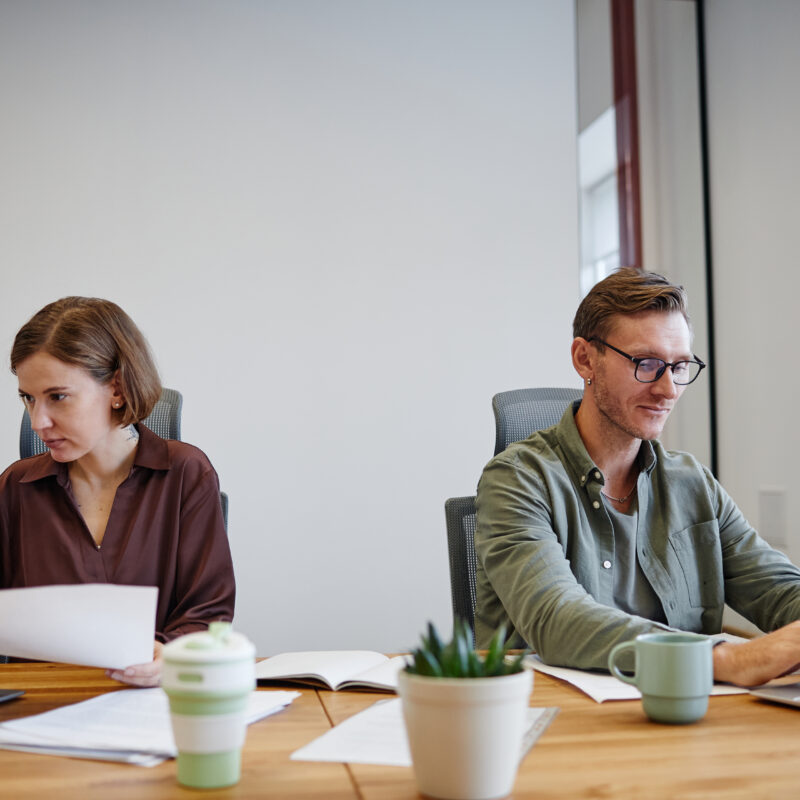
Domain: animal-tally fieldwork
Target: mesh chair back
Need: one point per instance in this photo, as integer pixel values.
(460, 516)
(518, 413)
(164, 420)
(223, 501)
(29, 443)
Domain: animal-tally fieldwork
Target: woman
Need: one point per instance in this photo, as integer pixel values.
(110, 502)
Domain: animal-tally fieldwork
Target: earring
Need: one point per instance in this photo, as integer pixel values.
(588, 381)
(117, 404)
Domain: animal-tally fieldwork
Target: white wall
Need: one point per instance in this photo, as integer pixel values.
(343, 226)
(754, 117)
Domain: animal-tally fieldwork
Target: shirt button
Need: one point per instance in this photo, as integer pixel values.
(597, 474)
(583, 479)
(606, 564)
(596, 504)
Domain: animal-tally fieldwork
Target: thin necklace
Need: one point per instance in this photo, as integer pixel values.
(621, 499)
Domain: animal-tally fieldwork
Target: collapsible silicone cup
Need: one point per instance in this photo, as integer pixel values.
(208, 678)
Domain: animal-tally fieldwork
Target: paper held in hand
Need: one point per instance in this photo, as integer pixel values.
(334, 669)
(91, 624)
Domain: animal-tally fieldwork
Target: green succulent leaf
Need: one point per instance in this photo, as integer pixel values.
(458, 658)
(434, 642)
(493, 662)
(426, 664)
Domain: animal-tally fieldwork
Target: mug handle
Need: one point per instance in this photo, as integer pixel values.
(612, 658)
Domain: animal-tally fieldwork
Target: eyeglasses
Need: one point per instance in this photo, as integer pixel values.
(649, 370)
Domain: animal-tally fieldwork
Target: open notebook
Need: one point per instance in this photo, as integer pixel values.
(334, 669)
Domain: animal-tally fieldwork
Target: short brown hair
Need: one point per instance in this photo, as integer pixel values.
(100, 337)
(626, 291)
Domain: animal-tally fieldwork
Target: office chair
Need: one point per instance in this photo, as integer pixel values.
(517, 415)
(520, 412)
(459, 514)
(164, 421)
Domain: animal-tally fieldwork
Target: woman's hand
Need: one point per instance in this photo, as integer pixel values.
(148, 674)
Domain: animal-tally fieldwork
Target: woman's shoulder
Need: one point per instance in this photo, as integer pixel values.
(184, 453)
(170, 454)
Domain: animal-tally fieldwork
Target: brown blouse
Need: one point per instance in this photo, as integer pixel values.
(165, 529)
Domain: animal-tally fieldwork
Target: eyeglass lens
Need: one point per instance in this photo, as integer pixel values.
(651, 369)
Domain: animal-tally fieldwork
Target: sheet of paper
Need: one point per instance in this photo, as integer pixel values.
(91, 624)
(131, 725)
(377, 735)
(602, 686)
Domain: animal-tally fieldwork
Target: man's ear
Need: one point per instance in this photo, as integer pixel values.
(583, 355)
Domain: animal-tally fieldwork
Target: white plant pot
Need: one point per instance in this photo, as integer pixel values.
(465, 734)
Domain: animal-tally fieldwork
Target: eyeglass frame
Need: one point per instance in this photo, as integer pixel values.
(659, 374)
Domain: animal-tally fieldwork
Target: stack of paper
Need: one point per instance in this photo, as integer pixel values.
(131, 725)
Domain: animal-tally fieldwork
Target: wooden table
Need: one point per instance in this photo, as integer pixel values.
(743, 748)
(266, 769)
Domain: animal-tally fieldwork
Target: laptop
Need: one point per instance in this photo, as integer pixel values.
(788, 693)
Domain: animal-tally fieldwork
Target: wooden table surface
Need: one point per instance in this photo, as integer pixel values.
(743, 748)
(266, 769)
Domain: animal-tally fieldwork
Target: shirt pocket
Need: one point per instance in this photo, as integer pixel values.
(698, 553)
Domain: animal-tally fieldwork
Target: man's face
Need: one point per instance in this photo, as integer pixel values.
(640, 409)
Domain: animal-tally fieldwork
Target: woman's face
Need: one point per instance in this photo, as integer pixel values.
(70, 411)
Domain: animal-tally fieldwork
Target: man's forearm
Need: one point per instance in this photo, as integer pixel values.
(759, 660)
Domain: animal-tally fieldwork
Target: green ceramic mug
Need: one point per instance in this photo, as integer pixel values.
(673, 671)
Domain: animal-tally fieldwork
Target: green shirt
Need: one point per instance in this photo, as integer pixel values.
(545, 551)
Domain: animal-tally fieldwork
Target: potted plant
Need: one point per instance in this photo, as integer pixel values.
(465, 715)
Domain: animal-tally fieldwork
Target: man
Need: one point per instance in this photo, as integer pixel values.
(590, 533)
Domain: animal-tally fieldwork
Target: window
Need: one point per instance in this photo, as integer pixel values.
(599, 203)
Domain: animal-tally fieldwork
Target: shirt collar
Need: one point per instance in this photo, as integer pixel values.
(151, 453)
(578, 457)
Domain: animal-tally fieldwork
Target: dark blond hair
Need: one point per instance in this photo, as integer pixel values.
(626, 291)
(100, 337)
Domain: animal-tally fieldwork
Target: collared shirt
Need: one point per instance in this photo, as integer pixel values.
(165, 529)
(546, 553)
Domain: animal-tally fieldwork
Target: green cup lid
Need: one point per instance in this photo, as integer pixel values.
(219, 643)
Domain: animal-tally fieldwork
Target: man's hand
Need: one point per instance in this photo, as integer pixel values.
(148, 674)
(759, 660)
